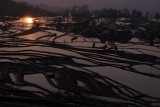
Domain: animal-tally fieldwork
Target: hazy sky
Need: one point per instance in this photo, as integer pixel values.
(145, 5)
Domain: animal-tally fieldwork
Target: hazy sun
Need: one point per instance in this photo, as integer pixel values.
(29, 20)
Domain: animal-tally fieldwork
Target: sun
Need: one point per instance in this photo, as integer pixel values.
(29, 20)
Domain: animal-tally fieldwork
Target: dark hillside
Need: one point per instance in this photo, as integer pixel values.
(12, 8)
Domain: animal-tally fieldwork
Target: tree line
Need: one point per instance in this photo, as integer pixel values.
(83, 11)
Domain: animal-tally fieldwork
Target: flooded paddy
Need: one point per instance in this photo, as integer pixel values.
(48, 61)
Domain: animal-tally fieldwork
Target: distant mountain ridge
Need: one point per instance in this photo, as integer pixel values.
(13, 8)
(48, 7)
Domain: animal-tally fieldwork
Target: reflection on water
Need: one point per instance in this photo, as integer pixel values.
(28, 26)
(139, 82)
(34, 36)
(67, 63)
(23, 23)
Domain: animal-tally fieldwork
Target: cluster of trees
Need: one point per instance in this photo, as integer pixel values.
(81, 12)
(78, 12)
(157, 16)
(111, 13)
(114, 13)
(12, 8)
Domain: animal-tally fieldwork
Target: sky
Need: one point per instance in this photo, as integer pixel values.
(144, 5)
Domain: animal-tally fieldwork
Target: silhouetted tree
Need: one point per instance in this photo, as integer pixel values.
(79, 13)
(134, 13)
(157, 16)
(147, 15)
(139, 14)
(126, 13)
(151, 16)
